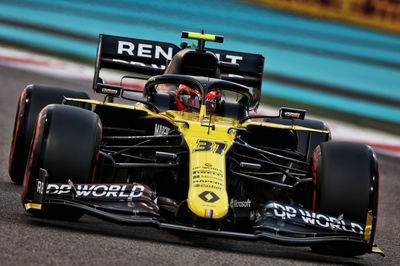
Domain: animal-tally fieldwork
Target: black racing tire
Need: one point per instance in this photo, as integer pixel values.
(32, 99)
(346, 180)
(66, 144)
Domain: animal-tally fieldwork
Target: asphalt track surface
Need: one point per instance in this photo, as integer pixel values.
(25, 240)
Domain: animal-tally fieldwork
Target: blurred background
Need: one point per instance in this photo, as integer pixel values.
(335, 58)
(338, 59)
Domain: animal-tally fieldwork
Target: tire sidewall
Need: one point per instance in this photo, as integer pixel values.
(39, 151)
(32, 99)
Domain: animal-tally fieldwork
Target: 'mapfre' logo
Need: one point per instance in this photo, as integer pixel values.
(208, 196)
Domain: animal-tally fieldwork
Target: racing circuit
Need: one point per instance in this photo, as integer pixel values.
(366, 62)
(33, 241)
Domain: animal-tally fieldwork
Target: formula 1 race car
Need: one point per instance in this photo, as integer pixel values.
(183, 152)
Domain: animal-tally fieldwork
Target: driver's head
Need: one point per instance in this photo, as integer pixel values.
(189, 98)
(212, 100)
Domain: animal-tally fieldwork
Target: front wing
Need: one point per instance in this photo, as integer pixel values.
(136, 204)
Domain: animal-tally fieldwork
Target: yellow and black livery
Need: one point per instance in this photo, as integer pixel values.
(224, 172)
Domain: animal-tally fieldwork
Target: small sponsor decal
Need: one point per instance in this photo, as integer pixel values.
(244, 209)
(208, 177)
(39, 186)
(208, 196)
(208, 213)
(160, 130)
(135, 63)
(109, 91)
(292, 114)
(240, 203)
(207, 173)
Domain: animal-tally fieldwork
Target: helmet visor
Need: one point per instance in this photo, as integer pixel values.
(192, 100)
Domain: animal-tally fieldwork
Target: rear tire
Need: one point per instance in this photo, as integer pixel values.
(32, 99)
(346, 182)
(66, 144)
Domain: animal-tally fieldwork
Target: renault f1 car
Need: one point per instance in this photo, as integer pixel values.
(185, 154)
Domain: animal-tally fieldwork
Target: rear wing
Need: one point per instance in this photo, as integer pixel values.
(144, 58)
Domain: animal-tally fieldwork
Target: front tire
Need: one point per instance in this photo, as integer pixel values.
(66, 143)
(346, 182)
(32, 99)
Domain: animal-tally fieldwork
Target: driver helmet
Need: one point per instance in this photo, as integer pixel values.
(189, 98)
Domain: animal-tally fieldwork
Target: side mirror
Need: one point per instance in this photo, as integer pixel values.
(292, 113)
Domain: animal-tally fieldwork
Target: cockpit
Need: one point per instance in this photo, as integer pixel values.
(190, 93)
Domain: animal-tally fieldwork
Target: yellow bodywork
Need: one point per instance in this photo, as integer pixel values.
(368, 227)
(208, 139)
(35, 206)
